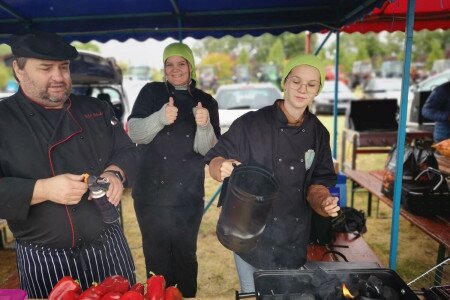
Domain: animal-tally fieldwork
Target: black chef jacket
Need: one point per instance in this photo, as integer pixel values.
(170, 172)
(35, 143)
(299, 157)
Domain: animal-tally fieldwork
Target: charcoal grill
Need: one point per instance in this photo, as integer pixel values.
(324, 284)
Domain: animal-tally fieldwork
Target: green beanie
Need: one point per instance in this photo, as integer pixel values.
(310, 60)
(183, 50)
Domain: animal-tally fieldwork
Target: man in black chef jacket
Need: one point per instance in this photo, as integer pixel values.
(48, 139)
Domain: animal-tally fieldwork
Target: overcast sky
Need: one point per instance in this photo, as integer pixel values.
(136, 53)
(149, 53)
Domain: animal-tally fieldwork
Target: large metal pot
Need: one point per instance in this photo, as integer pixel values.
(246, 206)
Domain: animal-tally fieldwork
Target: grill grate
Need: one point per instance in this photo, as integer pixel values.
(434, 282)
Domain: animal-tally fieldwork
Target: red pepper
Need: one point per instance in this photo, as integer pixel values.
(132, 295)
(63, 285)
(115, 283)
(173, 293)
(156, 286)
(138, 287)
(111, 296)
(69, 295)
(92, 293)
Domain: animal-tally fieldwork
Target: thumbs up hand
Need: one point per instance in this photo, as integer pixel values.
(171, 111)
(201, 115)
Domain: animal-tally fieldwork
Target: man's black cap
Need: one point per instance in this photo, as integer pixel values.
(42, 45)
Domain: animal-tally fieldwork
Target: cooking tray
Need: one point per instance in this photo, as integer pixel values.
(291, 284)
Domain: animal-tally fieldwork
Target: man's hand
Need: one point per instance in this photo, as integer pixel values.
(115, 190)
(201, 115)
(67, 189)
(171, 111)
(330, 207)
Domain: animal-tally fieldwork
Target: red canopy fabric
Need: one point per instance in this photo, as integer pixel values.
(429, 14)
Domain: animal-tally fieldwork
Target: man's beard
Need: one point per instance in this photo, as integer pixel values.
(63, 98)
(43, 95)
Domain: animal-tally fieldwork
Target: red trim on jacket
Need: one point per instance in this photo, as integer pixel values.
(53, 170)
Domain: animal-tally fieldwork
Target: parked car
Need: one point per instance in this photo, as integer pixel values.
(324, 102)
(100, 77)
(418, 94)
(391, 68)
(97, 76)
(361, 72)
(237, 99)
(132, 88)
(431, 82)
(208, 77)
(440, 65)
(241, 74)
(383, 88)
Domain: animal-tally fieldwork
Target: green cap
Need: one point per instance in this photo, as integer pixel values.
(307, 59)
(183, 50)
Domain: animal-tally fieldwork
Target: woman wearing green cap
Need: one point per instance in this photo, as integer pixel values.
(174, 125)
(293, 144)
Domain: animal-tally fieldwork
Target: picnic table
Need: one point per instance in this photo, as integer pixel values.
(436, 227)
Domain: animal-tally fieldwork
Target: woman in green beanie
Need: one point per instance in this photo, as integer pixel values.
(293, 144)
(174, 125)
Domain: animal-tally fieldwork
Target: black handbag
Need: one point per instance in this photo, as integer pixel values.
(416, 158)
(427, 199)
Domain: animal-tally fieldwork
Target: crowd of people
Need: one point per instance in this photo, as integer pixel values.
(49, 138)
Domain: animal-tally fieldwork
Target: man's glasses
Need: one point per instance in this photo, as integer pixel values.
(295, 83)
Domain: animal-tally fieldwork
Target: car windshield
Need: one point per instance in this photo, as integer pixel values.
(246, 98)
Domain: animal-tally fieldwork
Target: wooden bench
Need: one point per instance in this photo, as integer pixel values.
(438, 228)
(353, 247)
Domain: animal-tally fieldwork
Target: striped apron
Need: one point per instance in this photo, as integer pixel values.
(40, 268)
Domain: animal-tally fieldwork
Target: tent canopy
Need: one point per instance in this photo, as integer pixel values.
(431, 15)
(103, 20)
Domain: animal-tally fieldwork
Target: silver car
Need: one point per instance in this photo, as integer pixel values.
(383, 88)
(237, 99)
(324, 102)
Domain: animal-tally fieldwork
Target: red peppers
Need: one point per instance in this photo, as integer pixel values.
(65, 284)
(156, 286)
(173, 293)
(116, 287)
(115, 283)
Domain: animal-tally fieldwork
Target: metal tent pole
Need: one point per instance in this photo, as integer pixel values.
(401, 135)
(336, 99)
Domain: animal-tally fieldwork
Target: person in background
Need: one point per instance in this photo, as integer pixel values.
(291, 142)
(174, 125)
(437, 108)
(48, 139)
